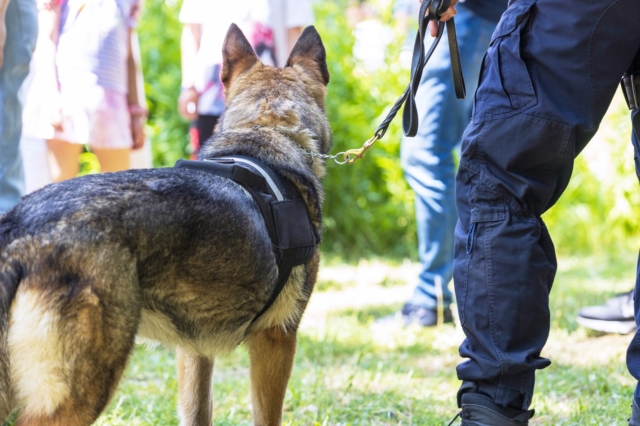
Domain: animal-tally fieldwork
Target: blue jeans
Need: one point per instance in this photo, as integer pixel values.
(542, 93)
(22, 28)
(428, 158)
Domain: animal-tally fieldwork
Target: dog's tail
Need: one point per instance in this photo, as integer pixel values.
(10, 277)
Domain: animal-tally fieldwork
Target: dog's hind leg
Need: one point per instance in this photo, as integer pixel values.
(70, 334)
(194, 382)
(271, 353)
(65, 366)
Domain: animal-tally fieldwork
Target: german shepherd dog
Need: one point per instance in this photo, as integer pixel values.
(173, 255)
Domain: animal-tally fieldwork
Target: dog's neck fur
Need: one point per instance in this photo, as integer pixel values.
(296, 142)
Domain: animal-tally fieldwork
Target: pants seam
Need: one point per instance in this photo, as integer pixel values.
(491, 296)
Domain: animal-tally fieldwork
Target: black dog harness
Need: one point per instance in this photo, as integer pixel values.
(282, 207)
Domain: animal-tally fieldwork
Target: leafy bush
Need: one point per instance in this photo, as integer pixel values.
(598, 211)
(369, 206)
(159, 34)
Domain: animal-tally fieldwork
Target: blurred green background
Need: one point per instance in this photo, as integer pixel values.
(369, 206)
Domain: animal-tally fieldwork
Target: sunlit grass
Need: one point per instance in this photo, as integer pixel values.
(348, 372)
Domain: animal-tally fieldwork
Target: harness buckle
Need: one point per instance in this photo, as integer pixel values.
(630, 84)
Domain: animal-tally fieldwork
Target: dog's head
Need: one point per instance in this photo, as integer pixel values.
(290, 100)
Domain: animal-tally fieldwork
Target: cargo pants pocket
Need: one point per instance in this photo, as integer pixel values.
(487, 210)
(505, 86)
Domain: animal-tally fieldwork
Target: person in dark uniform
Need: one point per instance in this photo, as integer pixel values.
(546, 81)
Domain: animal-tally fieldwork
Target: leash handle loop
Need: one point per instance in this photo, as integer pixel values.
(434, 10)
(430, 10)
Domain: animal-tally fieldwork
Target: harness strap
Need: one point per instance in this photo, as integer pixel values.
(272, 185)
(284, 211)
(254, 184)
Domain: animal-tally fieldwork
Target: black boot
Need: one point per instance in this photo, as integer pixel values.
(480, 410)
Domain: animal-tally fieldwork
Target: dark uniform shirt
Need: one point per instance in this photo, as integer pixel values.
(491, 10)
(488, 9)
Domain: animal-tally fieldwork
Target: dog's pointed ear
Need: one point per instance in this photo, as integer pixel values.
(237, 56)
(309, 53)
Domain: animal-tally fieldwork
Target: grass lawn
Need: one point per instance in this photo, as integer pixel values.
(349, 372)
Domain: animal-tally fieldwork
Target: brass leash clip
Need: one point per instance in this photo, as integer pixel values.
(350, 156)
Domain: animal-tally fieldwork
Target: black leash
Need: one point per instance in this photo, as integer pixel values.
(419, 60)
(430, 10)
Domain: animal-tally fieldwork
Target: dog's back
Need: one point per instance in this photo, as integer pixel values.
(183, 258)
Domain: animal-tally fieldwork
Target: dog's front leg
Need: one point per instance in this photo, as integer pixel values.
(271, 353)
(194, 383)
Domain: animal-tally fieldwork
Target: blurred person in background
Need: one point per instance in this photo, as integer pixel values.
(615, 315)
(88, 90)
(371, 34)
(288, 19)
(18, 32)
(428, 158)
(206, 23)
(34, 148)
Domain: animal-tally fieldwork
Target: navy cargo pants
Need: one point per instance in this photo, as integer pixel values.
(547, 79)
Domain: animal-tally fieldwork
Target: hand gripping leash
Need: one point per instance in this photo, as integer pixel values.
(430, 10)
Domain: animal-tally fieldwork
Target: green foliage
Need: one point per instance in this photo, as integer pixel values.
(598, 211)
(159, 34)
(368, 206)
(348, 372)
(89, 163)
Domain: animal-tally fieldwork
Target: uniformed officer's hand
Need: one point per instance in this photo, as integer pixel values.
(448, 14)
